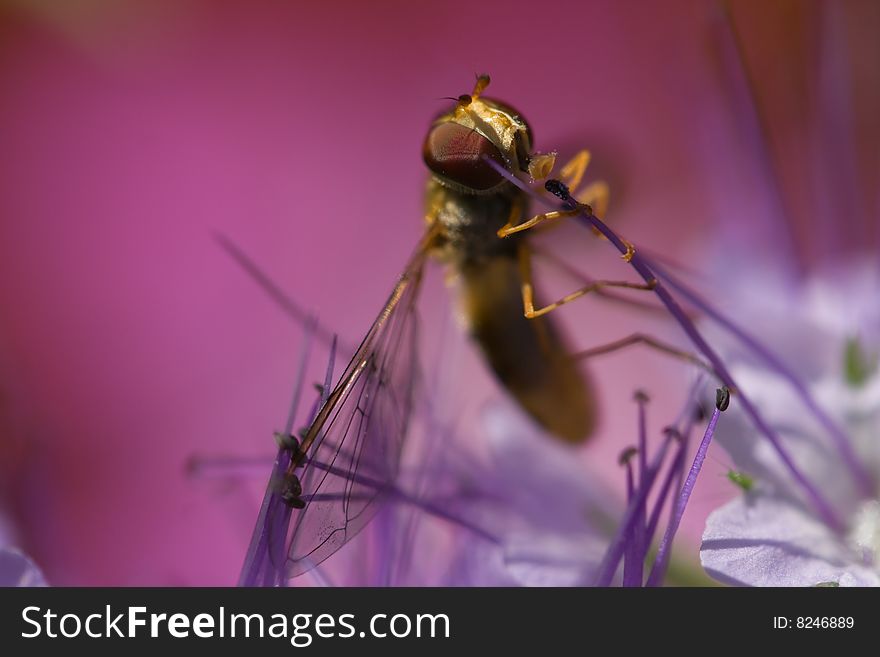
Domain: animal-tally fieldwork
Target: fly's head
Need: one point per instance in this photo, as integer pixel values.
(463, 141)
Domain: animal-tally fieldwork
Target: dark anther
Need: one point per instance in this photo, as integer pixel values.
(558, 188)
(626, 455)
(292, 486)
(296, 503)
(641, 396)
(291, 490)
(672, 432)
(287, 441)
(722, 398)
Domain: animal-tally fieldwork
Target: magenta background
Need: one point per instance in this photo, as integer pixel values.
(131, 132)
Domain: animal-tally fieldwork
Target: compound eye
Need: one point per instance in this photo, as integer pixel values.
(459, 154)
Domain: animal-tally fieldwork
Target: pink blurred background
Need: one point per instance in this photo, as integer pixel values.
(132, 132)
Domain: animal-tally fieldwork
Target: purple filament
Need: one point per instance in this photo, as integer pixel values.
(271, 288)
(640, 264)
(675, 471)
(381, 487)
(842, 442)
(659, 568)
(634, 557)
(632, 515)
(266, 554)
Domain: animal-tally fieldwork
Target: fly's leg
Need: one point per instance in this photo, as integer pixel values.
(593, 199)
(515, 213)
(528, 295)
(595, 196)
(573, 171)
(648, 341)
(509, 228)
(569, 271)
(290, 486)
(434, 236)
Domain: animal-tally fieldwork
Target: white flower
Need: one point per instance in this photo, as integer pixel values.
(827, 332)
(16, 569)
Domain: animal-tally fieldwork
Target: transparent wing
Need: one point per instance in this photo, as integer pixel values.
(349, 457)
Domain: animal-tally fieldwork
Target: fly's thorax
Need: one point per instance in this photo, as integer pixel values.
(468, 223)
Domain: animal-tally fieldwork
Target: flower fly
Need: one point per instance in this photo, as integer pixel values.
(346, 461)
(477, 216)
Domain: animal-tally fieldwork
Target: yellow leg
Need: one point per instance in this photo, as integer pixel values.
(512, 218)
(509, 228)
(647, 340)
(595, 195)
(573, 172)
(435, 235)
(569, 271)
(528, 292)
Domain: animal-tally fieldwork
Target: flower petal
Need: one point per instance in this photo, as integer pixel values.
(16, 569)
(804, 439)
(757, 540)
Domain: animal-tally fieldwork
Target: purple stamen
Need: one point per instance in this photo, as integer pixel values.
(642, 401)
(284, 301)
(841, 441)
(631, 516)
(381, 487)
(311, 326)
(642, 267)
(634, 557)
(263, 563)
(630, 480)
(676, 470)
(660, 561)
